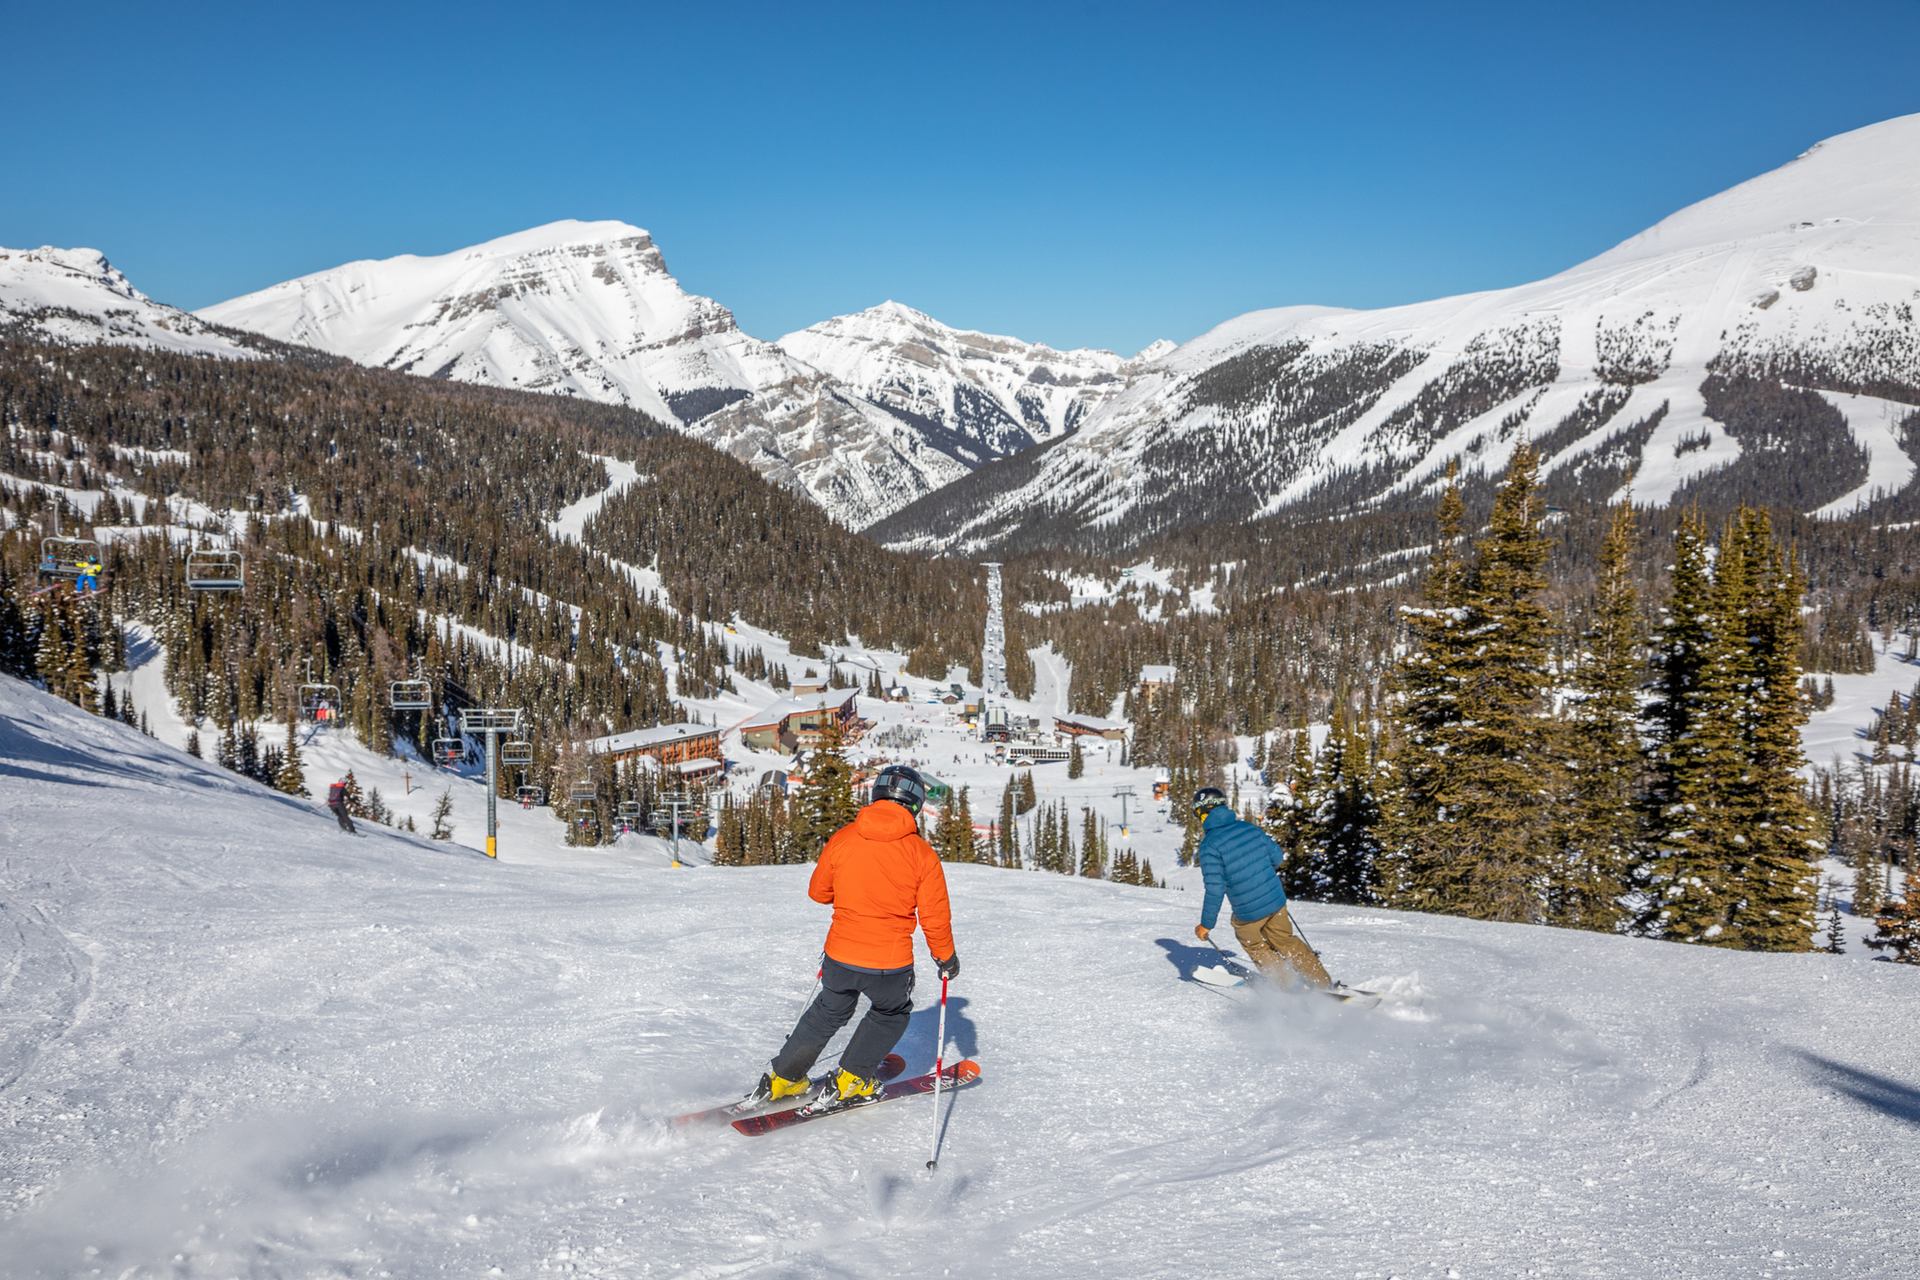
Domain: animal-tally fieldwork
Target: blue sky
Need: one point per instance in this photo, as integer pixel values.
(1080, 174)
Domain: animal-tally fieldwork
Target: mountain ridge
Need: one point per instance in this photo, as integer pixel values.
(1704, 350)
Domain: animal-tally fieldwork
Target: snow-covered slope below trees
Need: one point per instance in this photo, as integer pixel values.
(1804, 279)
(77, 296)
(237, 1041)
(589, 309)
(987, 395)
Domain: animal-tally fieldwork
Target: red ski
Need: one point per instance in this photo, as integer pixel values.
(957, 1076)
(890, 1066)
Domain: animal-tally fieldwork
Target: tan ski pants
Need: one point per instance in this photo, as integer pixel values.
(1272, 944)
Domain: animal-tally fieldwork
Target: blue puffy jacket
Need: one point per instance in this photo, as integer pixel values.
(1239, 860)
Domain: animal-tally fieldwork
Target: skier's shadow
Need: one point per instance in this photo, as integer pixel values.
(923, 1028)
(1189, 959)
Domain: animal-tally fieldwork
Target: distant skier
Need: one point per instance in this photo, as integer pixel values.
(337, 801)
(1241, 863)
(878, 874)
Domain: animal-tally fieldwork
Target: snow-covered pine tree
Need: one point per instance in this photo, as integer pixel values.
(1340, 849)
(1774, 862)
(1076, 760)
(827, 803)
(1696, 751)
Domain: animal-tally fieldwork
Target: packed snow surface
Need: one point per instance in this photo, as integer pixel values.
(238, 1042)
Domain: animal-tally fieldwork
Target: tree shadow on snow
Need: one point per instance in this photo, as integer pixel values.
(1882, 1093)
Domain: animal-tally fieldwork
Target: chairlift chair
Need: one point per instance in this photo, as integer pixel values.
(320, 703)
(62, 557)
(529, 797)
(449, 751)
(517, 751)
(211, 569)
(410, 695)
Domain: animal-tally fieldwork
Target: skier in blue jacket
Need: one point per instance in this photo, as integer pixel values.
(1241, 863)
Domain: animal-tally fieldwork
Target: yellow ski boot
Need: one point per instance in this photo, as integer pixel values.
(779, 1087)
(849, 1088)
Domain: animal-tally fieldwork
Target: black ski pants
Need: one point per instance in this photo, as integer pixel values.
(340, 812)
(890, 993)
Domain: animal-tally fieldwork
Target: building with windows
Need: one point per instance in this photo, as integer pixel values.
(793, 723)
(671, 746)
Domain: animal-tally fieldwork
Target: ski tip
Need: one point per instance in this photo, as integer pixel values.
(966, 1069)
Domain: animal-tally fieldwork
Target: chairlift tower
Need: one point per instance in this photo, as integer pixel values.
(491, 722)
(677, 801)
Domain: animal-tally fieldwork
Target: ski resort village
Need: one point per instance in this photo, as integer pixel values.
(505, 773)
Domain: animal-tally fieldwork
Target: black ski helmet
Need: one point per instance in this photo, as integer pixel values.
(901, 785)
(1207, 798)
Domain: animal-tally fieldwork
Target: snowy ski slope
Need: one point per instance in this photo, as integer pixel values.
(239, 1043)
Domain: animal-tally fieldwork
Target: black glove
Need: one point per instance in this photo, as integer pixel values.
(950, 967)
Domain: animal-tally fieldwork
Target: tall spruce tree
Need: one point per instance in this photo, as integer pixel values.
(1338, 859)
(1476, 792)
(1601, 815)
(1423, 846)
(1778, 847)
(289, 776)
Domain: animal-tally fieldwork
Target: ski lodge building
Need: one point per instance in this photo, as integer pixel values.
(1155, 680)
(1075, 726)
(793, 723)
(690, 751)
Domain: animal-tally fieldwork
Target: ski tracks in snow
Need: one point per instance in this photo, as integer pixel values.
(48, 985)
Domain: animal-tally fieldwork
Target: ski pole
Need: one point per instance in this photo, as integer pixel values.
(939, 1064)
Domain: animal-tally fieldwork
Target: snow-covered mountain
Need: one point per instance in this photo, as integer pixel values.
(983, 395)
(590, 309)
(77, 296)
(580, 308)
(1764, 339)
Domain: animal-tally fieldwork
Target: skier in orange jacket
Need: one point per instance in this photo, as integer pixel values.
(879, 876)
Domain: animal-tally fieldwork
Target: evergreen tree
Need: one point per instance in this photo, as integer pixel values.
(1695, 753)
(1897, 927)
(443, 816)
(1092, 855)
(1775, 861)
(356, 798)
(1422, 838)
(193, 743)
(1475, 791)
(827, 803)
(289, 777)
(1076, 761)
(730, 841)
(1600, 824)
(1339, 851)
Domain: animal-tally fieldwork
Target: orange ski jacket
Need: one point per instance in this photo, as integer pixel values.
(878, 874)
